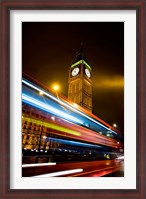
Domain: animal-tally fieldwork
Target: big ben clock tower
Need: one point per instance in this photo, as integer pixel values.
(80, 82)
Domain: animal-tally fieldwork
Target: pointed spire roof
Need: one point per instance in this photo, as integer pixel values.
(80, 54)
(80, 58)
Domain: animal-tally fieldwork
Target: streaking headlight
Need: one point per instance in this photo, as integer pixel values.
(48, 108)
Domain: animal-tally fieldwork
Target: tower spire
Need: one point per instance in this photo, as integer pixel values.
(80, 81)
(80, 58)
(80, 55)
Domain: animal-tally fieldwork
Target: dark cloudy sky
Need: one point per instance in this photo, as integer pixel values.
(48, 50)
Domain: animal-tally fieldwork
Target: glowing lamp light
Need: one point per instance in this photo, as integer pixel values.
(53, 118)
(41, 93)
(115, 125)
(56, 87)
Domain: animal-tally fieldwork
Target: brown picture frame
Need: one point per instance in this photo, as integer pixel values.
(6, 7)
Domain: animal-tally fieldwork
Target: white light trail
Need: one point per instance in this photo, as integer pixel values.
(122, 157)
(49, 108)
(66, 105)
(40, 164)
(60, 173)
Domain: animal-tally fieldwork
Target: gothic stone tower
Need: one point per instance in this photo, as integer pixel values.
(80, 82)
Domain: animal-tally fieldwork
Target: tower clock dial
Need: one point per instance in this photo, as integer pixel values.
(87, 72)
(75, 71)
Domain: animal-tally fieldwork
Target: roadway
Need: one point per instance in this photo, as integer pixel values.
(74, 169)
(119, 173)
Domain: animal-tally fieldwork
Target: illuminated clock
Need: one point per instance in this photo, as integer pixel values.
(75, 71)
(87, 73)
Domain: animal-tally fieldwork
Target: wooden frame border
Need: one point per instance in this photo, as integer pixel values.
(6, 7)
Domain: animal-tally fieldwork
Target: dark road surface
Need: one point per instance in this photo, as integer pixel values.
(118, 173)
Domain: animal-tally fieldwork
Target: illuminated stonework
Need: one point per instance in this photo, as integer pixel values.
(80, 85)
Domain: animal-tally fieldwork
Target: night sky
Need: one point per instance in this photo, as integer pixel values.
(49, 48)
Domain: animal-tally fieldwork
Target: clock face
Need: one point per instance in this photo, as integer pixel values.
(75, 71)
(87, 73)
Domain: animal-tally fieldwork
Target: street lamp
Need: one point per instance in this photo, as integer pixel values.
(41, 93)
(56, 87)
(115, 125)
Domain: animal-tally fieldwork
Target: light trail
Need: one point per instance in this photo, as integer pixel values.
(49, 108)
(39, 164)
(66, 105)
(74, 143)
(60, 173)
(96, 170)
(54, 126)
(122, 157)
